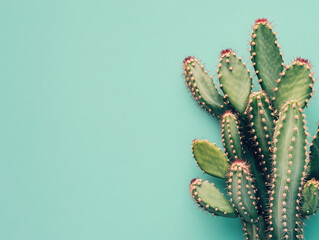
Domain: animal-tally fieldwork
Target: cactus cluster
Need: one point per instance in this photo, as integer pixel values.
(271, 171)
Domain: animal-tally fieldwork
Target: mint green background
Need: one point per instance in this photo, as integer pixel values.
(96, 123)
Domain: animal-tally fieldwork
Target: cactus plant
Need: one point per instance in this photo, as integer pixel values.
(272, 177)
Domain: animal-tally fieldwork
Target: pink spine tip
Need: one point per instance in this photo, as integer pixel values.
(302, 60)
(187, 59)
(239, 161)
(261, 21)
(225, 51)
(193, 180)
(228, 112)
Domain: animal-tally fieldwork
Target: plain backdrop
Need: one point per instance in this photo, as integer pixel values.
(96, 123)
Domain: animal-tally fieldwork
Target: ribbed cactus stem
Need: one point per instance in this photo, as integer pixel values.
(289, 171)
(254, 231)
(210, 199)
(202, 87)
(231, 136)
(242, 191)
(251, 231)
(261, 121)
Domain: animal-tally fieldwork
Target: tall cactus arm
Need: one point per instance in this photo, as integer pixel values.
(265, 55)
(231, 136)
(242, 191)
(202, 87)
(261, 121)
(289, 172)
(234, 79)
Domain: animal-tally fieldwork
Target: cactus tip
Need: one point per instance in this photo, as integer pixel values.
(261, 21)
(224, 52)
(194, 180)
(187, 59)
(302, 61)
(228, 112)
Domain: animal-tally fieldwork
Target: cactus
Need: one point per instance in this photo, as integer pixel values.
(242, 191)
(290, 164)
(261, 121)
(314, 157)
(254, 231)
(295, 83)
(310, 196)
(265, 55)
(210, 199)
(202, 87)
(210, 158)
(231, 136)
(271, 189)
(235, 80)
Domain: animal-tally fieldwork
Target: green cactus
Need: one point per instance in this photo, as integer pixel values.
(242, 191)
(314, 157)
(210, 199)
(260, 182)
(254, 231)
(210, 158)
(265, 55)
(261, 120)
(235, 80)
(295, 83)
(251, 231)
(202, 87)
(268, 129)
(290, 162)
(310, 195)
(231, 136)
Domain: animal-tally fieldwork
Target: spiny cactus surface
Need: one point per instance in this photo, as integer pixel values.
(235, 80)
(202, 87)
(265, 55)
(289, 172)
(310, 196)
(210, 158)
(210, 199)
(242, 191)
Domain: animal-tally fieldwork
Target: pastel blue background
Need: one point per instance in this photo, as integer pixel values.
(96, 123)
